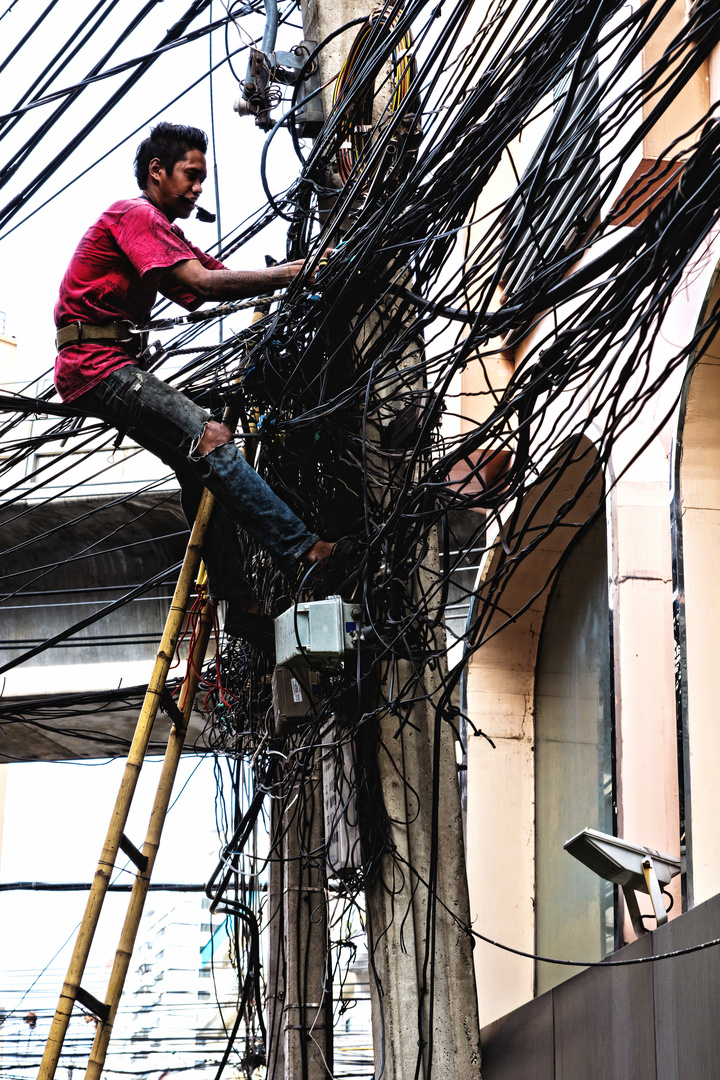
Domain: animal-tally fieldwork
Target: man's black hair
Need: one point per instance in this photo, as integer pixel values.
(169, 143)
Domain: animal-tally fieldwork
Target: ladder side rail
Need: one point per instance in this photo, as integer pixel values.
(136, 756)
(158, 814)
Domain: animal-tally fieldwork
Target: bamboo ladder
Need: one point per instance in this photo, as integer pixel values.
(156, 695)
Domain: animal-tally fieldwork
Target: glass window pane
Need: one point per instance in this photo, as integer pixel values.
(573, 761)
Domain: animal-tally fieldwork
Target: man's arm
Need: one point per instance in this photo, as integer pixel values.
(231, 284)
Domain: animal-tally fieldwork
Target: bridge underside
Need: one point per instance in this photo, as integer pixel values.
(62, 563)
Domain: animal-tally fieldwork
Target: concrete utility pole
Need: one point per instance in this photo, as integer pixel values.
(425, 1018)
(275, 966)
(299, 976)
(308, 1006)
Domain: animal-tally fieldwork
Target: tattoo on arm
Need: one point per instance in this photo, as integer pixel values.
(242, 284)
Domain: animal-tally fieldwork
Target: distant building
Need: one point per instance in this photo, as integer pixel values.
(181, 992)
(83, 520)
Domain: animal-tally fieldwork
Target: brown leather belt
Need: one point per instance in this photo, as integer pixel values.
(119, 333)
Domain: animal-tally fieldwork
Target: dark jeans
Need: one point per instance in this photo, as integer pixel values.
(169, 425)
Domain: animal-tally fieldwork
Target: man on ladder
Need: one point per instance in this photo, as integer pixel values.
(132, 252)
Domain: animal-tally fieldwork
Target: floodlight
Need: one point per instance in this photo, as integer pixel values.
(632, 866)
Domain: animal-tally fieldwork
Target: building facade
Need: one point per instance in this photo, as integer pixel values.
(597, 696)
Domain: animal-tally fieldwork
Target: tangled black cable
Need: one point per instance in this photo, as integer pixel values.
(352, 379)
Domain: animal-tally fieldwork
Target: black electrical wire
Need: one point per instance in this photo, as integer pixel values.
(175, 32)
(352, 373)
(36, 102)
(9, 170)
(28, 34)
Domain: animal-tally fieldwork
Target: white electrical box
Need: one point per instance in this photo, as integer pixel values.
(316, 632)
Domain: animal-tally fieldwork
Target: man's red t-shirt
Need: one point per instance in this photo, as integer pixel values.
(116, 274)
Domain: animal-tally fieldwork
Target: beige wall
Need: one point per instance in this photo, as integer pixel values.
(645, 715)
(501, 679)
(691, 103)
(714, 72)
(501, 781)
(7, 358)
(700, 502)
(501, 825)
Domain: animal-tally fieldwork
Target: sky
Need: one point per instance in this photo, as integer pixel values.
(57, 814)
(35, 252)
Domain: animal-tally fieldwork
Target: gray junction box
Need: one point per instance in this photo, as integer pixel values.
(320, 631)
(296, 697)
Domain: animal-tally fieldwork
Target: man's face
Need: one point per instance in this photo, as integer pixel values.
(176, 193)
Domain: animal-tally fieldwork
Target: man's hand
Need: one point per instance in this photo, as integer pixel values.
(233, 284)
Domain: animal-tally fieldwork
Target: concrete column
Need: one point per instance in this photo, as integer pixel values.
(425, 1015)
(645, 713)
(307, 1008)
(321, 18)
(422, 980)
(275, 969)
(425, 1006)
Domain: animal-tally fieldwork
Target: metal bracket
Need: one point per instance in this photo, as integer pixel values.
(136, 856)
(264, 69)
(97, 1008)
(169, 706)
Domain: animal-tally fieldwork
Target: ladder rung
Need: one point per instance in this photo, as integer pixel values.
(168, 704)
(129, 849)
(116, 840)
(96, 1007)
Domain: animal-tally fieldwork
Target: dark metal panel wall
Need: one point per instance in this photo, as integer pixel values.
(687, 998)
(593, 1037)
(642, 1022)
(507, 1042)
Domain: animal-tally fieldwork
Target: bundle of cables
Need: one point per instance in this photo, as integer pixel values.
(358, 122)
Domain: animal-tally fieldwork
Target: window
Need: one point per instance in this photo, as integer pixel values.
(566, 195)
(573, 761)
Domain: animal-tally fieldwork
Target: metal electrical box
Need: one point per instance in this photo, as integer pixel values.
(316, 632)
(297, 696)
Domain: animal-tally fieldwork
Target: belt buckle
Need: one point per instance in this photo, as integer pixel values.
(127, 329)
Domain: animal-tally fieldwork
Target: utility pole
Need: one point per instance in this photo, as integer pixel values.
(308, 1005)
(299, 974)
(424, 1000)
